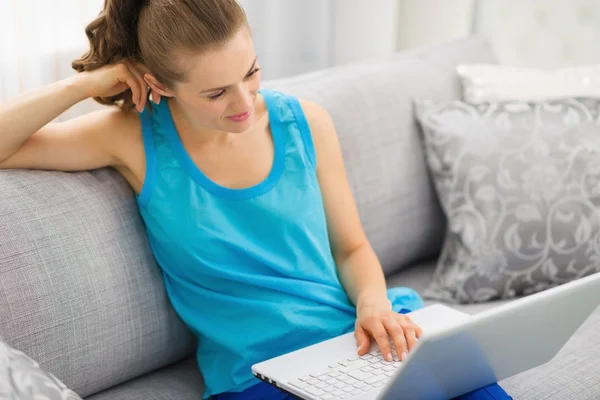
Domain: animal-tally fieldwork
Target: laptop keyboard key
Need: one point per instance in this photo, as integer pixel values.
(361, 376)
(319, 374)
(330, 389)
(352, 366)
(373, 379)
(299, 384)
(321, 385)
(314, 391)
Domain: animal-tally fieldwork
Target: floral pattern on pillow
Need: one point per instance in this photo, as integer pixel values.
(520, 186)
(21, 378)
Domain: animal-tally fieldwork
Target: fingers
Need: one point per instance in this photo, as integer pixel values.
(126, 77)
(398, 337)
(363, 341)
(381, 336)
(403, 331)
(141, 88)
(411, 331)
(155, 97)
(145, 73)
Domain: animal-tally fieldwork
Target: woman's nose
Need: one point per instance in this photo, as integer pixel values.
(243, 100)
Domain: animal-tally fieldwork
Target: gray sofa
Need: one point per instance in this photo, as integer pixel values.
(81, 294)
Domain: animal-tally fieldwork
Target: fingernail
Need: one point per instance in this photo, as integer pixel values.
(404, 355)
(389, 357)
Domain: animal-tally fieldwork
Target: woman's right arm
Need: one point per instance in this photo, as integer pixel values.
(29, 140)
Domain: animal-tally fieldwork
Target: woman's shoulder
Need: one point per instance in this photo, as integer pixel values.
(314, 113)
(123, 129)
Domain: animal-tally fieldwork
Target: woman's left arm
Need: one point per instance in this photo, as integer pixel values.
(358, 268)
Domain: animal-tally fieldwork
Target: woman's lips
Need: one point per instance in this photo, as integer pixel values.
(240, 117)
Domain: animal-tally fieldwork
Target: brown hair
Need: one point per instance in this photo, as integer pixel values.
(157, 33)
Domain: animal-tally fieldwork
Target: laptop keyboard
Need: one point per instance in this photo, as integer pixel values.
(349, 377)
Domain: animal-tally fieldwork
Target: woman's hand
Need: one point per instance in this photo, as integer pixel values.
(113, 79)
(376, 319)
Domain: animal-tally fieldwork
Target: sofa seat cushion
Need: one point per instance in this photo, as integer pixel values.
(418, 277)
(572, 374)
(180, 381)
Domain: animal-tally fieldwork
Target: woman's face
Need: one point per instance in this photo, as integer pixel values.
(221, 86)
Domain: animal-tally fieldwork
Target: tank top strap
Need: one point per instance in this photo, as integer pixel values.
(292, 123)
(157, 148)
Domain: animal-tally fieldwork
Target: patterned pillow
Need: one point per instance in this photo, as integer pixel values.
(520, 186)
(21, 378)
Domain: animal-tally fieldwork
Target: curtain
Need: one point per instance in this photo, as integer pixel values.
(40, 38)
(542, 33)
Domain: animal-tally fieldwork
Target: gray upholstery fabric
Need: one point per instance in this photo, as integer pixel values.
(79, 291)
(519, 185)
(572, 374)
(371, 106)
(22, 378)
(418, 276)
(181, 381)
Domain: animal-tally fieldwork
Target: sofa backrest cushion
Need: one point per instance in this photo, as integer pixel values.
(79, 290)
(371, 104)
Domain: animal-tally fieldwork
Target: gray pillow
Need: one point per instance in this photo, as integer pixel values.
(520, 186)
(21, 378)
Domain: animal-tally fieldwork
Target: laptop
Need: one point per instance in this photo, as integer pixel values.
(457, 353)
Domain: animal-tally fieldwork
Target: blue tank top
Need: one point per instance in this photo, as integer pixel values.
(249, 271)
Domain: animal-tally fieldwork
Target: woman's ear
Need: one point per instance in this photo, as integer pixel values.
(158, 89)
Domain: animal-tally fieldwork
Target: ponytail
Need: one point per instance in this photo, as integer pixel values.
(113, 37)
(127, 29)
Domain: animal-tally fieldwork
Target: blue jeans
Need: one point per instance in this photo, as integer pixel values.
(265, 391)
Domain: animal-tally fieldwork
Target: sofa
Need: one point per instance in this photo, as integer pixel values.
(81, 294)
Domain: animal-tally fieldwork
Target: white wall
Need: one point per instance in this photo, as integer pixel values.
(363, 29)
(542, 33)
(427, 22)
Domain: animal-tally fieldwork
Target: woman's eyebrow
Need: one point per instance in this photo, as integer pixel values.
(225, 87)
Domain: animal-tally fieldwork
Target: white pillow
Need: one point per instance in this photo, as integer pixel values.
(484, 83)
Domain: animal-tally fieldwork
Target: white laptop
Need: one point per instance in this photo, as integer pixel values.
(457, 354)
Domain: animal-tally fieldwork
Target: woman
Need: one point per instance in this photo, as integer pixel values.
(242, 191)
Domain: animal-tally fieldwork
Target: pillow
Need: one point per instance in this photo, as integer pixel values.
(21, 378)
(498, 83)
(519, 184)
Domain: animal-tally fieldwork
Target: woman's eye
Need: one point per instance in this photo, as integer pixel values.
(216, 96)
(253, 72)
